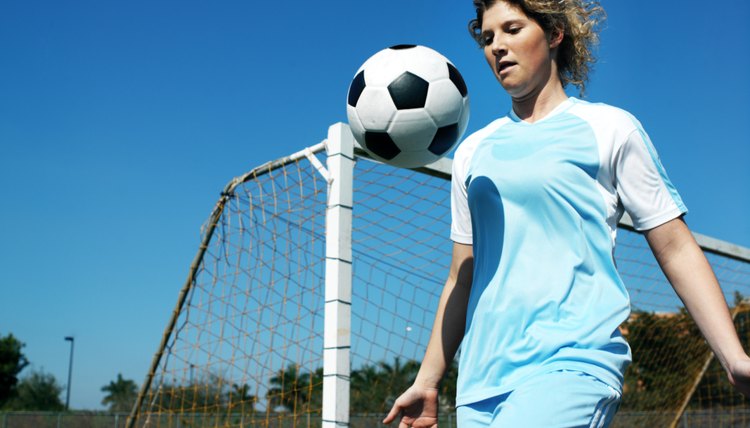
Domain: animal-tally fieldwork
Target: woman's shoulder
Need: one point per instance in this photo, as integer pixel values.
(602, 114)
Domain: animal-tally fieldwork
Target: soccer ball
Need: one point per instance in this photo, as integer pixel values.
(408, 106)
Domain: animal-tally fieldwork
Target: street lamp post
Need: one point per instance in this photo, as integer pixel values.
(70, 339)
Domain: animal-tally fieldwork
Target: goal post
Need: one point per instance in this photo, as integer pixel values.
(338, 278)
(312, 294)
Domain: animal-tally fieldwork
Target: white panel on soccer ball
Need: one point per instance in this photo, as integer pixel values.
(415, 159)
(444, 102)
(375, 109)
(412, 130)
(383, 67)
(426, 63)
(355, 124)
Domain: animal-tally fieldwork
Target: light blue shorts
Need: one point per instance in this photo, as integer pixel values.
(557, 399)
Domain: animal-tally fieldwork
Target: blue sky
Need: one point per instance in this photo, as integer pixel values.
(120, 123)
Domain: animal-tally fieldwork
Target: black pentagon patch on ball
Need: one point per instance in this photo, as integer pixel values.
(444, 139)
(381, 144)
(400, 47)
(356, 88)
(408, 91)
(457, 80)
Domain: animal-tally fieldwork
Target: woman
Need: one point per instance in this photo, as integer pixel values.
(533, 296)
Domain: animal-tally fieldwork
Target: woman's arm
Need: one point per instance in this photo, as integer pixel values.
(691, 276)
(450, 318)
(419, 404)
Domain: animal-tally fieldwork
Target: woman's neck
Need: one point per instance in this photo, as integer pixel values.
(538, 104)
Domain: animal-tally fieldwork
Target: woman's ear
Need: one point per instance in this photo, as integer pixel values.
(556, 38)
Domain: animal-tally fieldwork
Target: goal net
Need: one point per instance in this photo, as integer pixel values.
(311, 299)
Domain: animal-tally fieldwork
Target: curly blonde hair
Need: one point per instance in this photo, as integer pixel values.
(579, 20)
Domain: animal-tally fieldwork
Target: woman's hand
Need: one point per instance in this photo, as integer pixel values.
(418, 407)
(739, 375)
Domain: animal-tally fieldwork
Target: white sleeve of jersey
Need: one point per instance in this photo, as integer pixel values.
(642, 184)
(460, 215)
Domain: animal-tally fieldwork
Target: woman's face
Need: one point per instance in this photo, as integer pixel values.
(517, 49)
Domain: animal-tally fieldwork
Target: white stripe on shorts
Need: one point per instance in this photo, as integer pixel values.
(602, 414)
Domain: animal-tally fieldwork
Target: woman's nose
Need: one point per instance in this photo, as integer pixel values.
(498, 46)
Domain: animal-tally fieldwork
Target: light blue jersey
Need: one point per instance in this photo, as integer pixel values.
(540, 203)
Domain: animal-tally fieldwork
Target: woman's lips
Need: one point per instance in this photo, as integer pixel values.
(504, 65)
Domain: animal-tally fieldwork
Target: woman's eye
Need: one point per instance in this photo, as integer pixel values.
(487, 39)
(513, 30)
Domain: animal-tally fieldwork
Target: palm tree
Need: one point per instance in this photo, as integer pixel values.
(315, 392)
(121, 394)
(368, 390)
(240, 395)
(291, 389)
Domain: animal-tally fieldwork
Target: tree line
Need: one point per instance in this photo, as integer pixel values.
(669, 354)
(41, 391)
(292, 389)
(374, 387)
